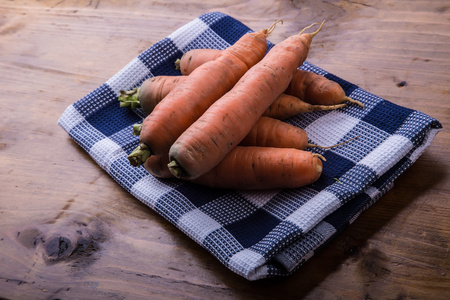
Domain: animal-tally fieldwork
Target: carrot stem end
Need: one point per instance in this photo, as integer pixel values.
(177, 64)
(137, 128)
(176, 169)
(139, 155)
(129, 98)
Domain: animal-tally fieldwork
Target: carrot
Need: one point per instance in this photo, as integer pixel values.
(251, 168)
(190, 99)
(150, 93)
(270, 132)
(308, 86)
(317, 89)
(287, 106)
(227, 121)
(154, 89)
(195, 58)
(267, 132)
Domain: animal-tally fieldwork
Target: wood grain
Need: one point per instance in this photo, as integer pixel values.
(54, 52)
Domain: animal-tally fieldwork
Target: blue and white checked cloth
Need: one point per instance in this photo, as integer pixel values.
(256, 234)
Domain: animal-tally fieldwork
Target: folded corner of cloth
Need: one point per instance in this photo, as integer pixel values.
(256, 234)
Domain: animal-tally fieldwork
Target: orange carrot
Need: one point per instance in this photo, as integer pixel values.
(317, 89)
(227, 121)
(192, 97)
(150, 93)
(270, 132)
(308, 86)
(253, 168)
(287, 106)
(153, 90)
(195, 58)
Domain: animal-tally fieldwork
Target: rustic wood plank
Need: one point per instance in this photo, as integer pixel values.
(54, 52)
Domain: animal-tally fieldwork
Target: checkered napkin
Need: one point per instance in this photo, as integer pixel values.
(256, 234)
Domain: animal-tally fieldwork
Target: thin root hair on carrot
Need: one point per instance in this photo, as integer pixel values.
(272, 27)
(319, 156)
(327, 107)
(354, 101)
(315, 32)
(329, 147)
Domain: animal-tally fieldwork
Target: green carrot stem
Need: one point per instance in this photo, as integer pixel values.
(137, 129)
(139, 155)
(177, 64)
(176, 169)
(130, 98)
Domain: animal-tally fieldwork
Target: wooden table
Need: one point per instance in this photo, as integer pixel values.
(54, 52)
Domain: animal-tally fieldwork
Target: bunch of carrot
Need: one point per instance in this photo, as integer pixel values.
(220, 123)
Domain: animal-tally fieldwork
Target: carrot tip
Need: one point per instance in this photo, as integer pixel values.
(326, 107)
(272, 27)
(130, 98)
(315, 32)
(139, 155)
(319, 156)
(176, 169)
(354, 101)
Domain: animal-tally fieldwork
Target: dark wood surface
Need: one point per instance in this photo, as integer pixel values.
(53, 52)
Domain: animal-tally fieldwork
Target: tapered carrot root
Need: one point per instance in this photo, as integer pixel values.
(253, 168)
(287, 106)
(221, 128)
(191, 98)
(269, 132)
(150, 93)
(317, 89)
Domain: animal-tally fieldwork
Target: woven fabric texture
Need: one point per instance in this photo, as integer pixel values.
(256, 234)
